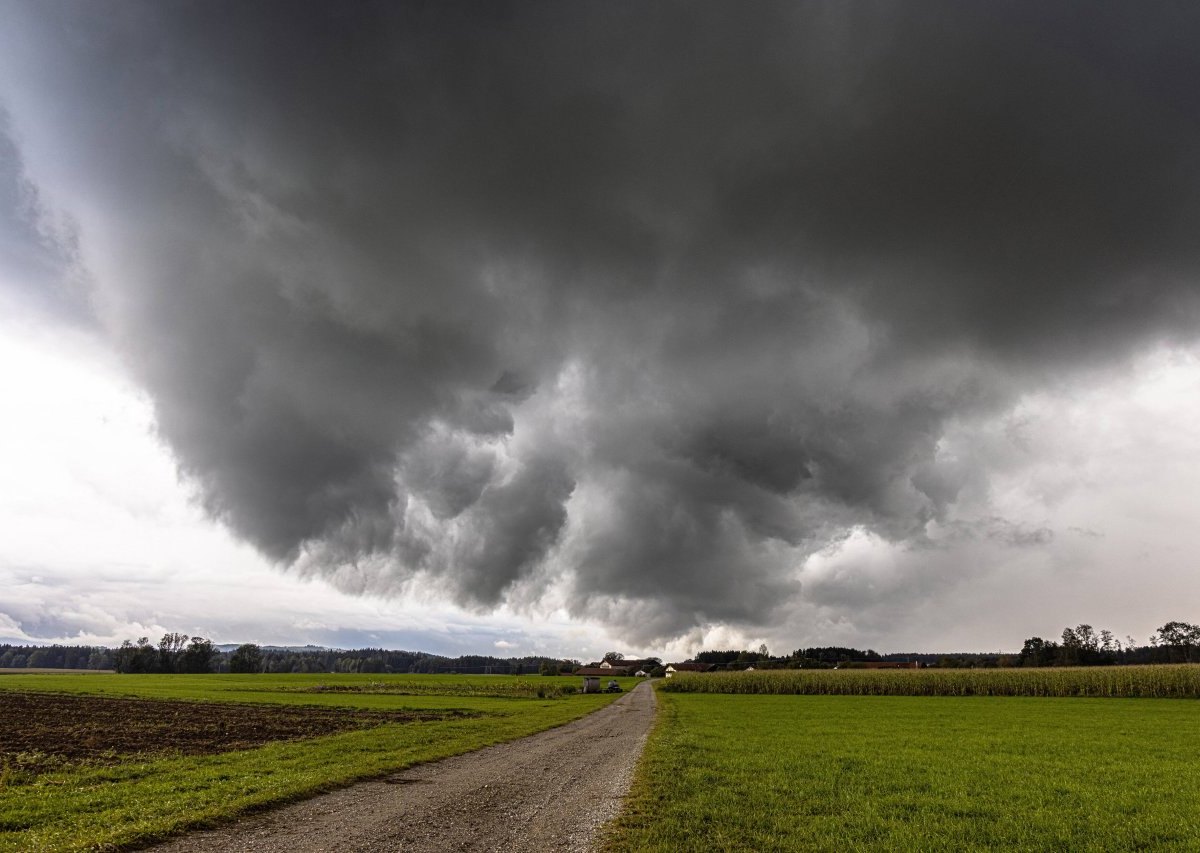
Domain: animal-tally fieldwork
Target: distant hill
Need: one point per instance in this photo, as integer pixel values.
(229, 647)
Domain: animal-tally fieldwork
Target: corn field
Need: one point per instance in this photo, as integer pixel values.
(1160, 681)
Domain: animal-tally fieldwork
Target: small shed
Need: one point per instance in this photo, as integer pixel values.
(591, 684)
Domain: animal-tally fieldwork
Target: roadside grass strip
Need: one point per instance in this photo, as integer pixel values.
(838, 773)
(1160, 681)
(134, 800)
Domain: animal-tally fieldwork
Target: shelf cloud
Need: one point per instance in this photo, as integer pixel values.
(629, 310)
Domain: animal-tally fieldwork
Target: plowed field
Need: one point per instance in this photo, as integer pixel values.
(74, 728)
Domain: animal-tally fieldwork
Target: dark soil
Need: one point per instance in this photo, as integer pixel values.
(75, 728)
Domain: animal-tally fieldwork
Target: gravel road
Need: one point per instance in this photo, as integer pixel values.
(548, 792)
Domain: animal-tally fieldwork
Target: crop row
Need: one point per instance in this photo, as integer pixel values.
(1147, 682)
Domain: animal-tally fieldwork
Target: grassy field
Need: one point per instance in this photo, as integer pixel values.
(126, 799)
(37, 670)
(774, 772)
(1181, 681)
(475, 692)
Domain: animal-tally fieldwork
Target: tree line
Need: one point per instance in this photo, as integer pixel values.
(1082, 645)
(55, 657)
(1174, 642)
(174, 653)
(179, 653)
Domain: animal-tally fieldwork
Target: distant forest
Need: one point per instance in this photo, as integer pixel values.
(179, 653)
(1174, 642)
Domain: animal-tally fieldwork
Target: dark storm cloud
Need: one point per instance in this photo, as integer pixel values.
(39, 261)
(652, 300)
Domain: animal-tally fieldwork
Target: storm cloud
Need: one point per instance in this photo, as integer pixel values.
(632, 307)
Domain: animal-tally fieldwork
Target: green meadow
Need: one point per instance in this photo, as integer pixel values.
(727, 772)
(127, 800)
(485, 693)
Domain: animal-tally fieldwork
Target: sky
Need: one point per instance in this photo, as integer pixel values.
(544, 328)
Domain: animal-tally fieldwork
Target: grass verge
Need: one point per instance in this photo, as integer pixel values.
(763, 773)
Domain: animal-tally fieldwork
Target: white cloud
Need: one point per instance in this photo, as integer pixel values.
(1084, 512)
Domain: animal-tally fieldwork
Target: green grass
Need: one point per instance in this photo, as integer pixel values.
(136, 801)
(1180, 681)
(762, 773)
(486, 693)
(39, 670)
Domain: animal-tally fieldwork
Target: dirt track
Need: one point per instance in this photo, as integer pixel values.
(549, 792)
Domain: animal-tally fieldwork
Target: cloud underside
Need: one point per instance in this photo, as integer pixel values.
(626, 310)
